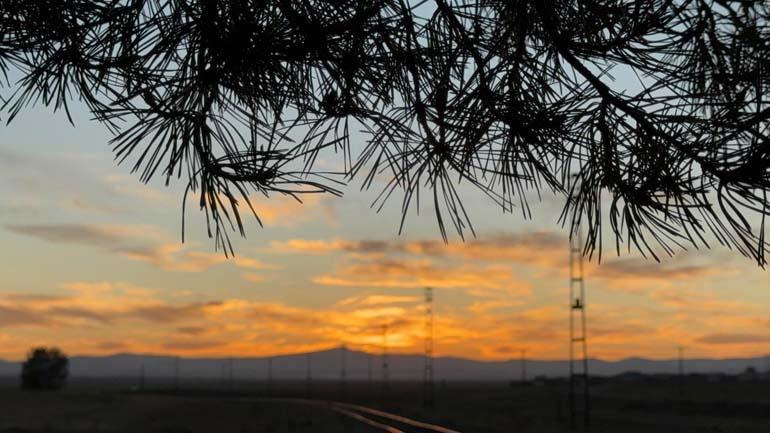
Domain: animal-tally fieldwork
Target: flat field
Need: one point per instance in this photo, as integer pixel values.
(200, 407)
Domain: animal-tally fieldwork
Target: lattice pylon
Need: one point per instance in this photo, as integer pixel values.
(578, 349)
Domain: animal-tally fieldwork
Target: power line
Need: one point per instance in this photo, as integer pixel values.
(427, 381)
(578, 349)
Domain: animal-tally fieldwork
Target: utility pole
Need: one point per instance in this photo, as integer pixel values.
(578, 349)
(176, 373)
(680, 368)
(523, 366)
(343, 371)
(142, 374)
(270, 376)
(428, 389)
(370, 360)
(308, 375)
(385, 366)
(231, 373)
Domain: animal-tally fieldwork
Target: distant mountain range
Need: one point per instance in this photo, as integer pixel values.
(327, 365)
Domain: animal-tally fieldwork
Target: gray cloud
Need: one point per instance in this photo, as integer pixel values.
(535, 241)
(79, 313)
(650, 269)
(78, 234)
(43, 310)
(192, 344)
(543, 248)
(170, 313)
(135, 242)
(270, 314)
(734, 338)
(74, 184)
(33, 297)
(13, 159)
(192, 330)
(111, 345)
(13, 316)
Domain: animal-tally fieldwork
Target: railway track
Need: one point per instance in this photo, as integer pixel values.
(378, 419)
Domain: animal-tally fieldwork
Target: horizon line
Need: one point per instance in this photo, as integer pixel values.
(391, 354)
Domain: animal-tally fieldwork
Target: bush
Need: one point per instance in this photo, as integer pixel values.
(45, 368)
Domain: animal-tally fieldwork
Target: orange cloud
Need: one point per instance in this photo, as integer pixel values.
(378, 300)
(249, 263)
(487, 306)
(137, 321)
(287, 211)
(376, 313)
(148, 324)
(252, 277)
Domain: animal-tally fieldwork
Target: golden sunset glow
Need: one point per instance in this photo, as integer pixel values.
(95, 264)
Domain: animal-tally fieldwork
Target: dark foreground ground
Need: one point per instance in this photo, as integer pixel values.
(109, 407)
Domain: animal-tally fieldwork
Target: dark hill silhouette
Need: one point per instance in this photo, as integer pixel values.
(326, 366)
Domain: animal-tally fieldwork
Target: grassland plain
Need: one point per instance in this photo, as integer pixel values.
(105, 407)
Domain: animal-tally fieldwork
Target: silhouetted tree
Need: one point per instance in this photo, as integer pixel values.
(505, 96)
(45, 368)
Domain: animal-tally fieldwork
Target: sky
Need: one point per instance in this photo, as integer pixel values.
(92, 261)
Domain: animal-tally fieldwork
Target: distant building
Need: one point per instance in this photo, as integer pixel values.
(750, 374)
(632, 376)
(715, 377)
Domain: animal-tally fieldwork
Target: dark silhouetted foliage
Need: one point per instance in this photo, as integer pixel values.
(45, 368)
(504, 96)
